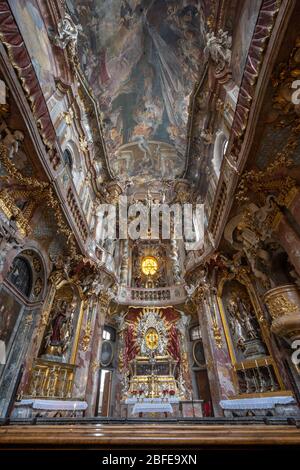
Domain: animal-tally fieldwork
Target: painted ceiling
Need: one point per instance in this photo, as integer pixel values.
(142, 59)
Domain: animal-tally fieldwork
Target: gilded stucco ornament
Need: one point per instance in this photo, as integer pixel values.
(248, 233)
(86, 338)
(284, 306)
(37, 191)
(152, 334)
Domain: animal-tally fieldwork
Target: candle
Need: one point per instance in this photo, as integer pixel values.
(74, 409)
(243, 366)
(256, 363)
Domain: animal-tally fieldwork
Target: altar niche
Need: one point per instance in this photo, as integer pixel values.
(248, 340)
(153, 358)
(58, 342)
(53, 370)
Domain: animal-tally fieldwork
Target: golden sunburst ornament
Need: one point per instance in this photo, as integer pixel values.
(149, 265)
(152, 338)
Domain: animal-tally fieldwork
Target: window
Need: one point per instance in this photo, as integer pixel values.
(109, 333)
(21, 275)
(68, 159)
(195, 333)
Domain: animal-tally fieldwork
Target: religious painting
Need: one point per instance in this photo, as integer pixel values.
(36, 38)
(242, 327)
(142, 59)
(10, 309)
(58, 342)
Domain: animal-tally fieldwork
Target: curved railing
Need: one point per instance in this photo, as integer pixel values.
(159, 296)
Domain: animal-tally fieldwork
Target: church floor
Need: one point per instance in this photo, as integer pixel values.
(146, 434)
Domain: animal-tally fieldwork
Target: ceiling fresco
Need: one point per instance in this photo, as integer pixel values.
(142, 59)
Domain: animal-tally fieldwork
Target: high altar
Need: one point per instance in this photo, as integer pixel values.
(153, 359)
(153, 376)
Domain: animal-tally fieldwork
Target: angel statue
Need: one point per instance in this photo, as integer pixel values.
(67, 32)
(218, 48)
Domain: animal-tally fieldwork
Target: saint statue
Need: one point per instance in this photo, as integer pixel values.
(245, 310)
(59, 335)
(236, 323)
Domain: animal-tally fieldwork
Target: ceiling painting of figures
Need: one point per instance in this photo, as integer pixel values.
(142, 59)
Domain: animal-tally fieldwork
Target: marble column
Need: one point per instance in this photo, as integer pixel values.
(16, 359)
(219, 367)
(124, 264)
(176, 268)
(93, 360)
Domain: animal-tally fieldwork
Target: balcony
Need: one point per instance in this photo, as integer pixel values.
(157, 297)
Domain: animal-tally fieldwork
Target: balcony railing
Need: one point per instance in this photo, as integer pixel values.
(159, 296)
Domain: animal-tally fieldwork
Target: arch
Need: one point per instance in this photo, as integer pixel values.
(31, 262)
(67, 156)
(21, 275)
(73, 149)
(220, 147)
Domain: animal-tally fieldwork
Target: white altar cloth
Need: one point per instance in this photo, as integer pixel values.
(152, 408)
(255, 403)
(70, 405)
(132, 400)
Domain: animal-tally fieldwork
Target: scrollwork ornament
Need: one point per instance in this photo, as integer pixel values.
(280, 306)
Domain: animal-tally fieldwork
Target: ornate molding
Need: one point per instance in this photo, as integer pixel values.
(20, 59)
(262, 33)
(284, 306)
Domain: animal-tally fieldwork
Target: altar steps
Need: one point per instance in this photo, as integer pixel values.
(211, 421)
(148, 434)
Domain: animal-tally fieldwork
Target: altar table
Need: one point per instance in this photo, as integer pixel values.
(162, 407)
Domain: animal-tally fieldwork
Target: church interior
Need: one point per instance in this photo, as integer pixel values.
(107, 338)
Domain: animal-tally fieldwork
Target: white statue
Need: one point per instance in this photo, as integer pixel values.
(67, 32)
(120, 320)
(183, 323)
(218, 48)
(190, 289)
(12, 142)
(236, 323)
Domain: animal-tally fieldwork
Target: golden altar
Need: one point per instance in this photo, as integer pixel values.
(152, 377)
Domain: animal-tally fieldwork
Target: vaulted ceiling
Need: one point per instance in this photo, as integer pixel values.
(142, 59)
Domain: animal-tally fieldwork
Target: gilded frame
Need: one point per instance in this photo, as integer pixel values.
(244, 280)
